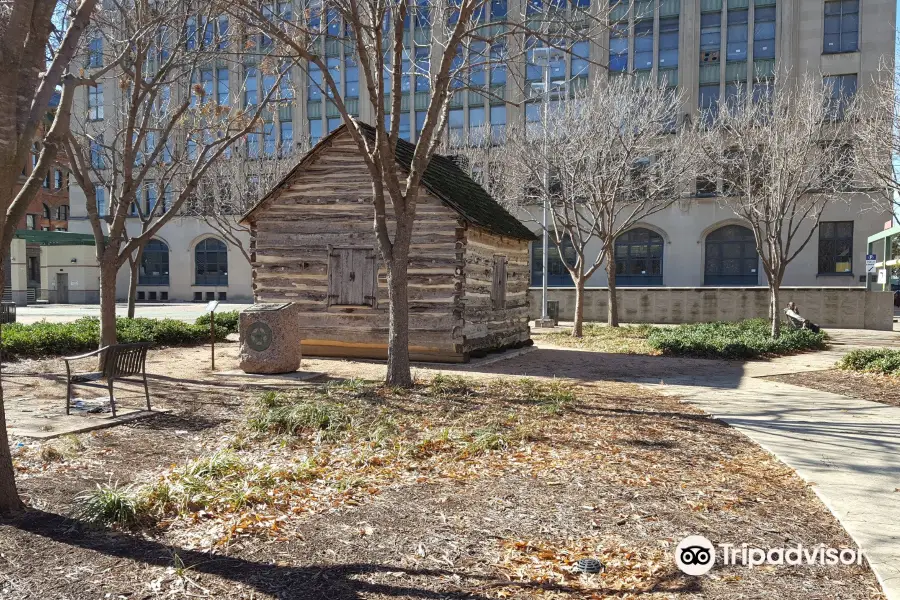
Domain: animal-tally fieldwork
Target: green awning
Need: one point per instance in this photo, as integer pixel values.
(54, 238)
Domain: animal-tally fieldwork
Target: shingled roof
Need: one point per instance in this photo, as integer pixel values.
(442, 178)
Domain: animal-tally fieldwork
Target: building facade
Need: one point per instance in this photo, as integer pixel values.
(709, 49)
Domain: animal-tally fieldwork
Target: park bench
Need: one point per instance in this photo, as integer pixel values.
(118, 361)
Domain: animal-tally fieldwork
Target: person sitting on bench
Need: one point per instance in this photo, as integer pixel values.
(798, 322)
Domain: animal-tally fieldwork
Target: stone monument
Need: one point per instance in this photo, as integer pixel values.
(270, 339)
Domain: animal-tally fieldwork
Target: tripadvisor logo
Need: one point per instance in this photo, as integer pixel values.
(695, 555)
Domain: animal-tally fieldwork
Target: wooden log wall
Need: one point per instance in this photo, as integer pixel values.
(330, 205)
(487, 327)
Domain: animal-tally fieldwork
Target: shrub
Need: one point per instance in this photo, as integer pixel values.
(228, 321)
(881, 360)
(83, 335)
(292, 414)
(741, 340)
(109, 504)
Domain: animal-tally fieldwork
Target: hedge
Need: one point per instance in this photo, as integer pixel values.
(880, 360)
(742, 340)
(63, 339)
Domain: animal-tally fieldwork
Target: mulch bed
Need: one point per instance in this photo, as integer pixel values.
(864, 386)
(621, 474)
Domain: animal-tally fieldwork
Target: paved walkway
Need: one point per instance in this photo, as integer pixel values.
(848, 449)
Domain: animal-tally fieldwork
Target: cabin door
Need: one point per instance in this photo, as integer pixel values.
(351, 276)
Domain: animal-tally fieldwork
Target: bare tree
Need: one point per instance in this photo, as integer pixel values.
(232, 187)
(454, 40)
(38, 40)
(150, 147)
(781, 151)
(875, 137)
(603, 162)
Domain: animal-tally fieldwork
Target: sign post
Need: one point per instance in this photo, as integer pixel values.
(871, 259)
(211, 311)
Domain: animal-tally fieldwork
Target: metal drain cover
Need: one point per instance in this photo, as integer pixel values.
(588, 565)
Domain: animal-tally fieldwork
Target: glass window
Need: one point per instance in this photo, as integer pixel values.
(287, 138)
(222, 86)
(251, 88)
(709, 102)
(841, 26)
(423, 67)
(30, 221)
(643, 45)
(420, 121)
(580, 55)
(476, 124)
(97, 160)
(738, 31)
(351, 77)
(710, 35)
(404, 126)
(253, 145)
(154, 264)
(95, 53)
(557, 275)
(498, 64)
(731, 257)
(639, 258)
(668, 43)
(498, 10)
(477, 61)
(270, 141)
(314, 81)
(207, 81)
(842, 89)
(618, 47)
(211, 262)
(498, 124)
(315, 130)
(764, 32)
(100, 197)
(95, 102)
(836, 247)
(455, 126)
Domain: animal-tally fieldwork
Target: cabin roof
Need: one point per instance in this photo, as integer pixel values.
(442, 178)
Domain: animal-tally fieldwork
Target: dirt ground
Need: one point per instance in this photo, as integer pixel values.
(622, 474)
(865, 386)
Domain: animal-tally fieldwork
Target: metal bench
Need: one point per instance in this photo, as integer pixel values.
(119, 361)
(8, 312)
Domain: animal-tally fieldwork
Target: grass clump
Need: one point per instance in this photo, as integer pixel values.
(740, 340)
(627, 339)
(874, 360)
(552, 397)
(109, 504)
(294, 414)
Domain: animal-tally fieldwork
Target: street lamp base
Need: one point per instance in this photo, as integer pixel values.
(547, 323)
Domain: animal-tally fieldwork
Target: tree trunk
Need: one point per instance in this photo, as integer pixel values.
(578, 327)
(613, 304)
(9, 496)
(133, 282)
(776, 316)
(108, 272)
(398, 372)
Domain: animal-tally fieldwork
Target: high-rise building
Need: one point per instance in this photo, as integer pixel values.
(709, 49)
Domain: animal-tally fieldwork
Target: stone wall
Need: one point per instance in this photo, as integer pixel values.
(848, 308)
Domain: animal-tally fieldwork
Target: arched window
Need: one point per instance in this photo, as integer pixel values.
(731, 257)
(639, 258)
(154, 264)
(211, 262)
(62, 212)
(557, 276)
(47, 211)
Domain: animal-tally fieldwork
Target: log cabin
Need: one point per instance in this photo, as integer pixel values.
(313, 244)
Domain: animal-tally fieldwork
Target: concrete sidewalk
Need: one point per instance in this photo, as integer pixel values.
(848, 449)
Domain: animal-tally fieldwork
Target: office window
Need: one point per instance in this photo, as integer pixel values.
(270, 140)
(643, 45)
(97, 160)
(150, 198)
(335, 122)
(456, 126)
(420, 121)
(618, 47)
(95, 53)
(423, 68)
(498, 124)
(835, 247)
(314, 82)
(251, 88)
(315, 130)
(841, 26)
(498, 9)
(211, 263)
(668, 43)
(764, 32)
(287, 137)
(351, 77)
(154, 268)
(95, 102)
(60, 180)
(498, 64)
(738, 31)
(842, 89)
(476, 125)
(532, 71)
(222, 91)
(710, 37)
(191, 148)
(639, 258)
(405, 132)
(557, 275)
(709, 102)
(207, 81)
(580, 55)
(252, 141)
(30, 221)
(100, 197)
(477, 59)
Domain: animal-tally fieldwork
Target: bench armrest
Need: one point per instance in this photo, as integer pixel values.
(88, 355)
